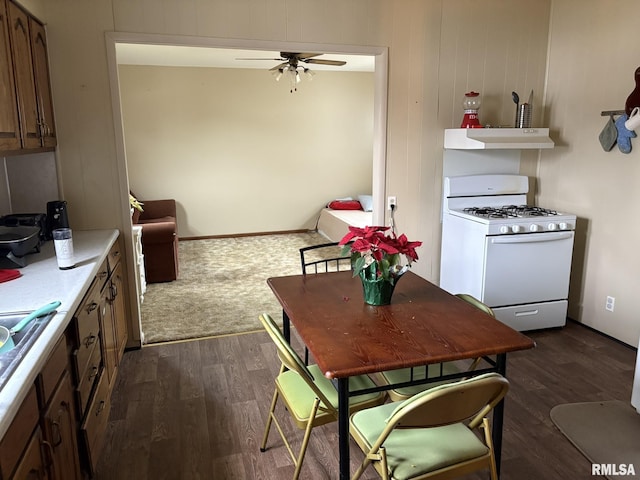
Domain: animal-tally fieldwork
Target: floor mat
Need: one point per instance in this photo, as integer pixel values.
(607, 433)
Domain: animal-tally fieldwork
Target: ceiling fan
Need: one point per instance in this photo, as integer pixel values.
(293, 59)
(291, 65)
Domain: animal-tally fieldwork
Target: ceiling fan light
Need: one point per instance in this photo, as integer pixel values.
(309, 74)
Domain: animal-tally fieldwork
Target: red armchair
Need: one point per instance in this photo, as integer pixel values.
(159, 239)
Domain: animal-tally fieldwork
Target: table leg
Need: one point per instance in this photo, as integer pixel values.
(286, 329)
(343, 427)
(498, 414)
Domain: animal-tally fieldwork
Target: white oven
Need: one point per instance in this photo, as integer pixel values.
(513, 257)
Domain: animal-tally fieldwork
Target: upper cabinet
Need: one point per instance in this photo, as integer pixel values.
(9, 126)
(28, 69)
(497, 138)
(40, 60)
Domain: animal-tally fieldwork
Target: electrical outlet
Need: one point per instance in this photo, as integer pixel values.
(611, 301)
(391, 202)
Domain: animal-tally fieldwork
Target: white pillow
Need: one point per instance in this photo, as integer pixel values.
(367, 202)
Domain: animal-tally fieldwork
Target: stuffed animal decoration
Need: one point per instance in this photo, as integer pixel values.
(634, 99)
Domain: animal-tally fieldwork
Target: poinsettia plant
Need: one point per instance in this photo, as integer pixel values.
(372, 246)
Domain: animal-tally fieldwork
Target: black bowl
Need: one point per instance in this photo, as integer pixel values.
(19, 240)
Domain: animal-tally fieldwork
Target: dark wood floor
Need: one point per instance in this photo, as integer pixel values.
(196, 410)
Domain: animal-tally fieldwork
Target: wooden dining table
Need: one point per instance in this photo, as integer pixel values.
(423, 325)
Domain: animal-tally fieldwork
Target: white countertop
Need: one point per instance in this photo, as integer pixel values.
(43, 282)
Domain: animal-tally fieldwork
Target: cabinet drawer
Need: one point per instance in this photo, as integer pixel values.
(53, 370)
(18, 434)
(87, 330)
(95, 423)
(114, 256)
(103, 274)
(88, 379)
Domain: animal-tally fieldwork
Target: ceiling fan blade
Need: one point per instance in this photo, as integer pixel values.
(278, 67)
(300, 56)
(270, 59)
(337, 63)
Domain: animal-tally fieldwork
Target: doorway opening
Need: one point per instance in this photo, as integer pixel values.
(379, 55)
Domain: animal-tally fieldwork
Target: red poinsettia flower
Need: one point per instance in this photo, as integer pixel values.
(372, 246)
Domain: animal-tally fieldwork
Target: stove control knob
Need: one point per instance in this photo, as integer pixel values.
(563, 226)
(505, 229)
(534, 228)
(552, 226)
(516, 228)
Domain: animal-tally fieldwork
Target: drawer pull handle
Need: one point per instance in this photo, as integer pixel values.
(94, 372)
(49, 455)
(100, 407)
(101, 275)
(55, 432)
(90, 340)
(91, 307)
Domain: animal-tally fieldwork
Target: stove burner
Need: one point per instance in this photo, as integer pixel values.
(510, 211)
(488, 212)
(529, 211)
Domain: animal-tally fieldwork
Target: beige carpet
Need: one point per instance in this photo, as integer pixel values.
(605, 432)
(222, 286)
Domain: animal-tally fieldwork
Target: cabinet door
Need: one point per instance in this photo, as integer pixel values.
(60, 432)
(43, 87)
(9, 126)
(119, 310)
(31, 465)
(16, 439)
(108, 334)
(25, 82)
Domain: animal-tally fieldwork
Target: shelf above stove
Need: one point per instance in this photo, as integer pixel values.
(497, 138)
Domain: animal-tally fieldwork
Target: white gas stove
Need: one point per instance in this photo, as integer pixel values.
(514, 257)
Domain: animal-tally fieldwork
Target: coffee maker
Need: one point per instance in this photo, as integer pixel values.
(56, 217)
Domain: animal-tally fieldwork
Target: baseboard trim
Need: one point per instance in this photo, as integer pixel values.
(620, 342)
(235, 235)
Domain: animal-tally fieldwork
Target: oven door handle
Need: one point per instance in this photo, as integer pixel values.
(533, 237)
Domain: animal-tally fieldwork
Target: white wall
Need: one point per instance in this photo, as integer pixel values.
(239, 152)
(31, 182)
(591, 70)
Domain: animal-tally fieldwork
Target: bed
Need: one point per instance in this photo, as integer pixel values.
(334, 224)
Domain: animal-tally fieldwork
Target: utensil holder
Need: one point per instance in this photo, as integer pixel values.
(524, 116)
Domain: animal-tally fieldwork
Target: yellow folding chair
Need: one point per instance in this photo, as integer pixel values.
(310, 398)
(432, 434)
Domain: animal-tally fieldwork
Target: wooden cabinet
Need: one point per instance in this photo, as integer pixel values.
(58, 422)
(19, 435)
(94, 424)
(41, 442)
(114, 320)
(118, 304)
(9, 125)
(40, 60)
(59, 429)
(99, 333)
(84, 332)
(31, 465)
(30, 72)
(108, 333)
(60, 432)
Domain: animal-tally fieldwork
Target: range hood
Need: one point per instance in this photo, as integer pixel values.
(497, 138)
